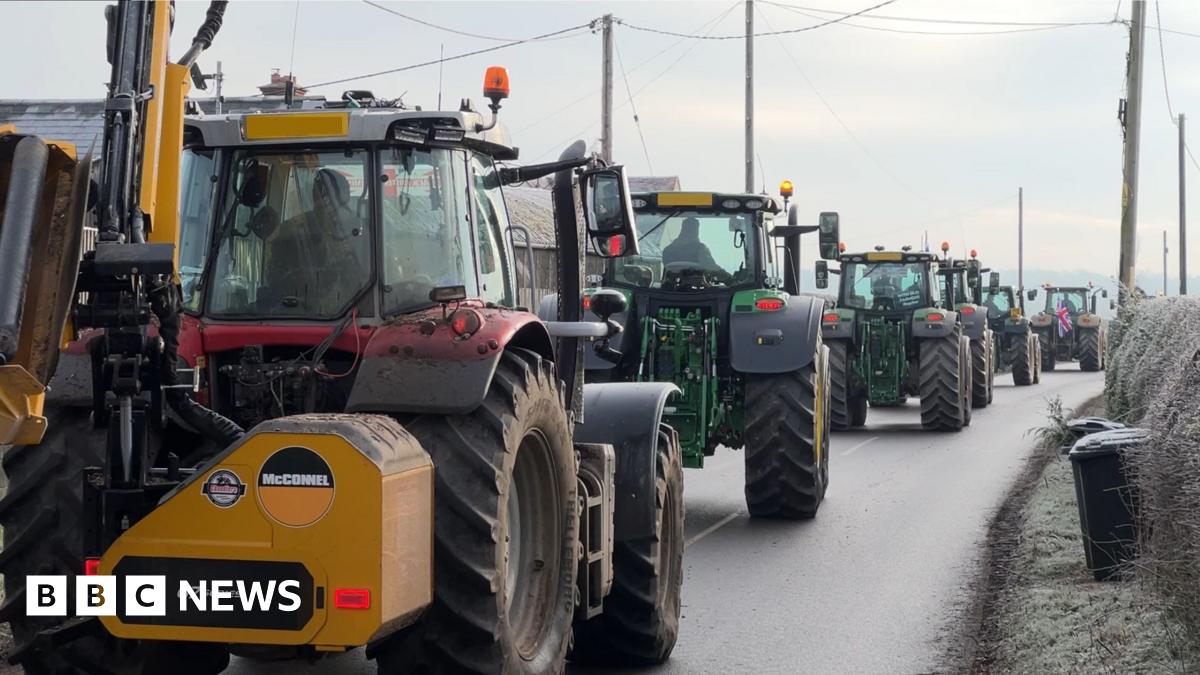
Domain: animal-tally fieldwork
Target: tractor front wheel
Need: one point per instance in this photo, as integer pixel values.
(942, 384)
(787, 453)
(506, 535)
(640, 623)
(1089, 350)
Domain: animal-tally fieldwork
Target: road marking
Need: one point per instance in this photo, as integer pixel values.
(710, 529)
(855, 448)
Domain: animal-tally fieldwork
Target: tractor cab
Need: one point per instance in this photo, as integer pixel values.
(1077, 299)
(887, 283)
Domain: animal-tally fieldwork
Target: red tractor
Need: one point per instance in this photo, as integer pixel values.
(319, 374)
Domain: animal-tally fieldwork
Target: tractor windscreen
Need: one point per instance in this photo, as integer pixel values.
(885, 286)
(688, 250)
(954, 286)
(294, 235)
(999, 302)
(1075, 300)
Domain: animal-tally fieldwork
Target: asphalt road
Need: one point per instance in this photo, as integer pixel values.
(874, 584)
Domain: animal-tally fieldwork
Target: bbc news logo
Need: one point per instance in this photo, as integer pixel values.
(147, 595)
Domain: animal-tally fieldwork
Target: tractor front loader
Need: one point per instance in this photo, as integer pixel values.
(707, 311)
(889, 339)
(1017, 347)
(961, 289)
(1069, 327)
(296, 388)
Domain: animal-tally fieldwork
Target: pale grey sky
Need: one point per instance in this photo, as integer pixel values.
(947, 126)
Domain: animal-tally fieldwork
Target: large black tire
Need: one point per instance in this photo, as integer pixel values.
(858, 410)
(980, 380)
(506, 535)
(1021, 355)
(1037, 360)
(841, 412)
(785, 461)
(43, 519)
(640, 623)
(968, 379)
(1089, 350)
(993, 357)
(941, 384)
(1048, 359)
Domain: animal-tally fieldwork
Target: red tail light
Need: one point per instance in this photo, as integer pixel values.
(465, 322)
(831, 316)
(352, 598)
(769, 304)
(968, 310)
(935, 316)
(91, 567)
(587, 302)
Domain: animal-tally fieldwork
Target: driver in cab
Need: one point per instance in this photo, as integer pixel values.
(687, 247)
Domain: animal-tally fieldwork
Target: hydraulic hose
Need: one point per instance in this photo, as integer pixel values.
(209, 423)
(206, 33)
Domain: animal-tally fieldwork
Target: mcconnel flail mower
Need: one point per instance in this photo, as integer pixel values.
(1069, 327)
(294, 361)
(713, 308)
(890, 338)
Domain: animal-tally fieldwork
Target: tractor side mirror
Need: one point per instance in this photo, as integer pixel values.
(1104, 292)
(994, 280)
(822, 272)
(255, 178)
(608, 212)
(1031, 294)
(605, 302)
(829, 235)
(1112, 304)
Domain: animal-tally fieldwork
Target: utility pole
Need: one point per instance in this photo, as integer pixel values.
(606, 93)
(1131, 117)
(749, 96)
(1021, 240)
(1164, 263)
(1182, 211)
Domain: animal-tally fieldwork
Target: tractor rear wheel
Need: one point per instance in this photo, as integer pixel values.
(1089, 350)
(941, 384)
(844, 409)
(1021, 357)
(980, 382)
(640, 623)
(44, 520)
(1048, 360)
(786, 457)
(506, 535)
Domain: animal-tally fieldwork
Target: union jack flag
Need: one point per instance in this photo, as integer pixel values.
(1064, 319)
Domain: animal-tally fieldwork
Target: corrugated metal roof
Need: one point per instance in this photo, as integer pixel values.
(533, 209)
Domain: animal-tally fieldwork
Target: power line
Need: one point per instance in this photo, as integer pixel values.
(740, 36)
(845, 127)
(591, 93)
(636, 120)
(440, 27)
(965, 22)
(646, 84)
(1162, 60)
(452, 58)
(1026, 27)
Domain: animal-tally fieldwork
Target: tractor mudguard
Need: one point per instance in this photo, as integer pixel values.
(923, 327)
(779, 341)
(548, 311)
(627, 415)
(845, 326)
(974, 322)
(417, 364)
(1018, 326)
(1087, 320)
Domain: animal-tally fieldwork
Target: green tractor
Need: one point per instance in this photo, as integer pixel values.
(889, 338)
(1017, 347)
(961, 284)
(713, 305)
(1069, 327)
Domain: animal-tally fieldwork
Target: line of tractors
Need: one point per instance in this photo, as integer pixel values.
(296, 355)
